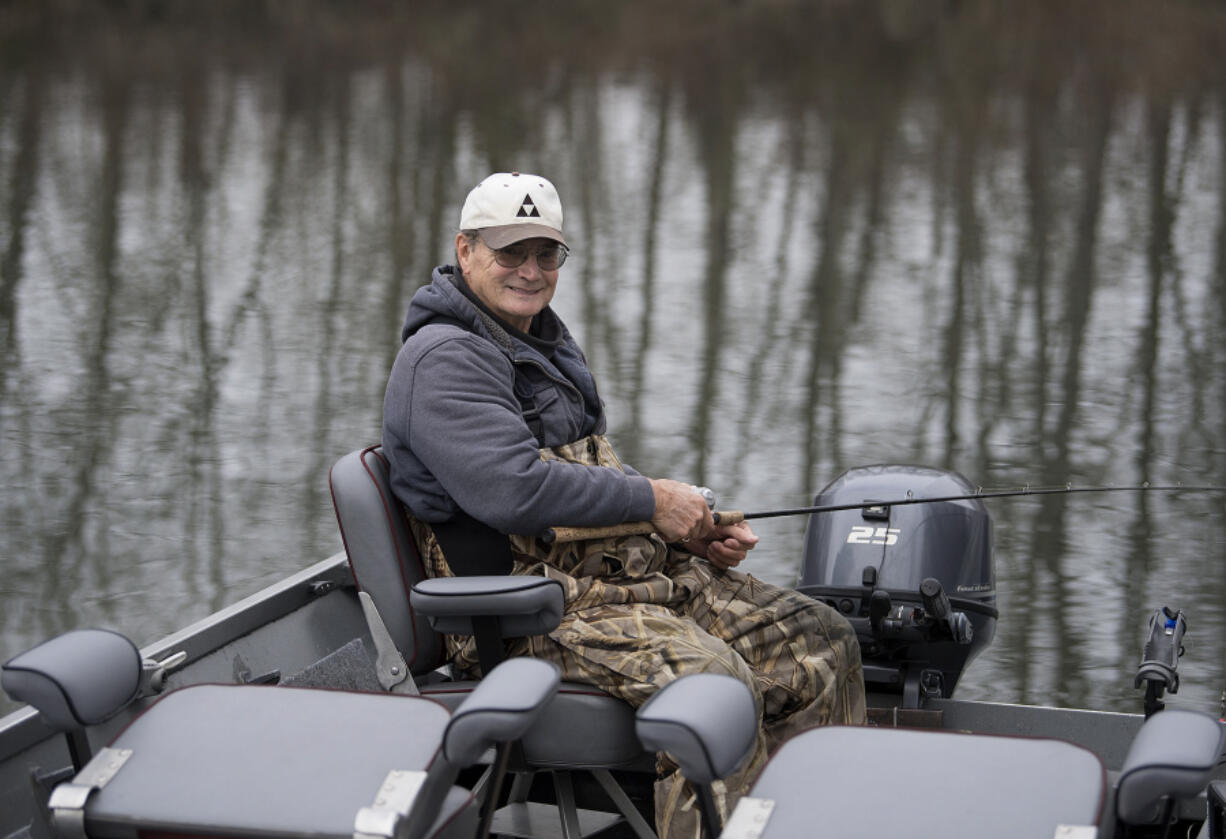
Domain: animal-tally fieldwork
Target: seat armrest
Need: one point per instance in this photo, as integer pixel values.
(500, 709)
(80, 678)
(523, 605)
(706, 721)
(1173, 756)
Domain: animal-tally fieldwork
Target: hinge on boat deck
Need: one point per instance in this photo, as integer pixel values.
(392, 803)
(749, 818)
(390, 667)
(67, 802)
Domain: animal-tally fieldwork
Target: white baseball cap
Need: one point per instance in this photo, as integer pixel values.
(509, 207)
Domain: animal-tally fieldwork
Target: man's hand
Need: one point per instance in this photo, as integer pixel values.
(681, 513)
(725, 546)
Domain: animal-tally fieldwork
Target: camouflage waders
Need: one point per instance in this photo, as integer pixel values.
(640, 614)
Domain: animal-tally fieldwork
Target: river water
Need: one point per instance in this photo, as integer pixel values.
(807, 236)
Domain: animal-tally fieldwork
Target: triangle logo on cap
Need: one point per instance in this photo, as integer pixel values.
(528, 209)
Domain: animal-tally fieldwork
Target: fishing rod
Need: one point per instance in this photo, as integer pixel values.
(725, 517)
(734, 517)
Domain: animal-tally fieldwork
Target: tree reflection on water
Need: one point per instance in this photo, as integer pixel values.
(810, 235)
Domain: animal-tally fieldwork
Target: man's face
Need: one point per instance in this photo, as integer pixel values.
(514, 294)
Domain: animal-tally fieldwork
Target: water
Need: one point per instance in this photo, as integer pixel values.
(807, 237)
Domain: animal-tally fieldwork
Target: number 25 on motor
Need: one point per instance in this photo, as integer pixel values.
(862, 535)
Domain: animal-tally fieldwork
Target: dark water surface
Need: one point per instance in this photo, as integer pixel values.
(808, 236)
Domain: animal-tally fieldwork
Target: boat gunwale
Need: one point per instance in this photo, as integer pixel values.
(23, 728)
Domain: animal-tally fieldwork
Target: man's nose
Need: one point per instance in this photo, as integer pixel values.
(530, 268)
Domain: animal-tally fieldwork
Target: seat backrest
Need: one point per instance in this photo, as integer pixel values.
(383, 558)
(1174, 755)
(80, 678)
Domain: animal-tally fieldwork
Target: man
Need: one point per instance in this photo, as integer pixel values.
(495, 431)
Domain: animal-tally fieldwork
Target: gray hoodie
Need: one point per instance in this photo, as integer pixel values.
(454, 429)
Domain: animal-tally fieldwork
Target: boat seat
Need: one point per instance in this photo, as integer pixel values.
(868, 782)
(952, 783)
(586, 728)
(252, 760)
(581, 729)
(1173, 756)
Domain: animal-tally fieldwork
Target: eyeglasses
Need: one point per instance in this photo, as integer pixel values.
(548, 257)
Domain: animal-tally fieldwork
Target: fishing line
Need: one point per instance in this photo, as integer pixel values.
(734, 516)
(570, 534)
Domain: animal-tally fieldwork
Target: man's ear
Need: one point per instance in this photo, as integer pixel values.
(463, 251)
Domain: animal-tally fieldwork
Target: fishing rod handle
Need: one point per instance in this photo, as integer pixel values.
(578, 534)
(630, 528)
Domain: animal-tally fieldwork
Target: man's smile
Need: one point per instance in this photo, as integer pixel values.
(526, 292)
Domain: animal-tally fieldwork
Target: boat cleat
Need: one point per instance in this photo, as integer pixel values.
(153, 673)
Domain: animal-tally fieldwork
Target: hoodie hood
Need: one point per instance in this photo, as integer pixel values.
(441, 300)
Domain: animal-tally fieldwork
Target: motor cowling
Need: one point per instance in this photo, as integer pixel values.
(916, 579)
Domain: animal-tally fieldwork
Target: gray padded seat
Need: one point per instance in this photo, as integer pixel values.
(1174, 754)
(251, 760)
(244, 760)
(581, 728)
(954, 785)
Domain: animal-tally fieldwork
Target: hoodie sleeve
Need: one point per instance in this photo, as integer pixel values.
(456, 411)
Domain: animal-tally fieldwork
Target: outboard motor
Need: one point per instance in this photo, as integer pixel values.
(916, 580)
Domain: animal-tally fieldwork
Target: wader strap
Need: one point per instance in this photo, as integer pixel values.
(473, 547)
(533, 417)
(527, 408)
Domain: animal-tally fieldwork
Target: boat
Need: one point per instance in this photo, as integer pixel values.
(915, 579)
